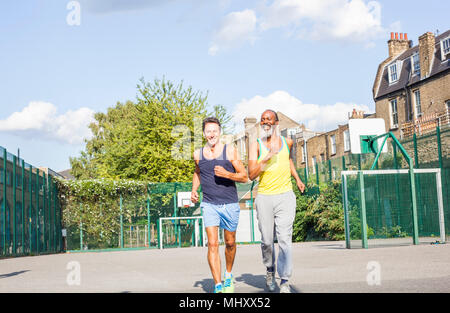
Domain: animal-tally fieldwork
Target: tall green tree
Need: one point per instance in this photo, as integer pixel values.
(220, 112)
(151, 139)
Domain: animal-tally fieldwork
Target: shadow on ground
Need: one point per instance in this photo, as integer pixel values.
(206, 284)
(255, 281)
(12, 274)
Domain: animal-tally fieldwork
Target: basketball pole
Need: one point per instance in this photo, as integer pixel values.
(411, 177)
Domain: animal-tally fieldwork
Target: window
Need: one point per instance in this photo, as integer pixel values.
(415, 61)
(346, 140)
(394, 114)
(322, 157)
(418, 110)
(333, 144)
(291, 132)
(448, 106)
(394, 72)
(445, 48)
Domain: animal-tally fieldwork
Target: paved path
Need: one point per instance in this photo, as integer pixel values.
(318, 267)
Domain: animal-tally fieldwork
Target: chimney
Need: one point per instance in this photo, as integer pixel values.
(357, 114)
(249, 122)
(251, 131)
(398, 45)
(426, 51)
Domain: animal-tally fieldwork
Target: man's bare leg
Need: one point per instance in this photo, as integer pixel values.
(213, 252)
(230, 249)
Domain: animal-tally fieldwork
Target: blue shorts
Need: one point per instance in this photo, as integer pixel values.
(225, 216)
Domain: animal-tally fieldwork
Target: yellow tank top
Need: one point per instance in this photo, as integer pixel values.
(276, 178)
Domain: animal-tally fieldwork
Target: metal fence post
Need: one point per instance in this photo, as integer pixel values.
(5, 186)
(14, 185)
(317, 173)
(50, 215)
(30, 218)
(397, 188)
(44, 203)
(23, 207)
(81, 227)
(416, 156)
(251, 212)
(363, 211)
(148, 220)
(438, 137)
(121, 222)
(37, 211)
(414, 203)
(329, 170)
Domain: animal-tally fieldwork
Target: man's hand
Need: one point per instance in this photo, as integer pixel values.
(300, 186)
(194, 196)
(220, 171)
(270, 155)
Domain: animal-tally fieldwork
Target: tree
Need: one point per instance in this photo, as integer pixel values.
(220, 112)
(141, 140)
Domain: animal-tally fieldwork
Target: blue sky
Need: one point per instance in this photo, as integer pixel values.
(315, 60)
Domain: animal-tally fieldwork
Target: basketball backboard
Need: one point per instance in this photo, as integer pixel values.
(362, 130)
(184, 200)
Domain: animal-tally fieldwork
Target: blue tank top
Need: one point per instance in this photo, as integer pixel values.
(217, 190)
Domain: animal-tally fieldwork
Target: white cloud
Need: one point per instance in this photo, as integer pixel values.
(349, 20)
(315, 117)
(357, 21)
(236, 29)
(40, 120)
(109, 6)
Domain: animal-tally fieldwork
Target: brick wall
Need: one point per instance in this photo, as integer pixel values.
(427, 148)
(434, 93)
(320, 146)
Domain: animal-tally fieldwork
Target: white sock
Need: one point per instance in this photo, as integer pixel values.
(228, 275)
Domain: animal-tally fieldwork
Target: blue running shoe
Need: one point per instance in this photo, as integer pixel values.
(228, 285)
(218, 288)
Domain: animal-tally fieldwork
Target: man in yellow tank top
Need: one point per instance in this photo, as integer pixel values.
(269, 159)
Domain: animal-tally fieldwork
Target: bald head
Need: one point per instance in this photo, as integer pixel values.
(272, 113)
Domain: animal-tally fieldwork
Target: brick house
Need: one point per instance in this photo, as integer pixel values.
(328, 145)
(287, 126)
(412, 86)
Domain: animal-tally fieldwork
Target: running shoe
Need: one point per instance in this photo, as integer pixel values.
(228, 286)
(285, 288)
(270, 281)
(218, 289)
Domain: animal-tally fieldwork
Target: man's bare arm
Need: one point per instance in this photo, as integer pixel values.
(241, 173)
(195, 179)
(300, 184)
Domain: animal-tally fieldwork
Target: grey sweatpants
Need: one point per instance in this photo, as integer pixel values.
(276, 215)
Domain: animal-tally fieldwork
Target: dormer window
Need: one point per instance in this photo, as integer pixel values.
(445, 48)
(415, 61)
(394, 72)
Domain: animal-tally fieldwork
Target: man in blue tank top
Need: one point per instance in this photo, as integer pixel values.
(217, 168)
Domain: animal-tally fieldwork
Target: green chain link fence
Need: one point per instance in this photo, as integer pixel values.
(30, 212)
(132, 221)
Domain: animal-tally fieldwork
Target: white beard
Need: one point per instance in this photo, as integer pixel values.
(267, 133)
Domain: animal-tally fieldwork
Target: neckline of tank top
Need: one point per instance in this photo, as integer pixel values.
(282, 144)
(221, 154)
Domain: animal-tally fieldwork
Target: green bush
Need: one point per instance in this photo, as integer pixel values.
(319, 216)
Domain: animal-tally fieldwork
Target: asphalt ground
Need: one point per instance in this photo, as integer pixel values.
(319, 267)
